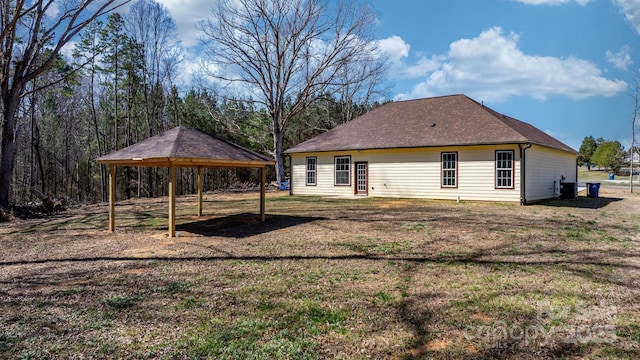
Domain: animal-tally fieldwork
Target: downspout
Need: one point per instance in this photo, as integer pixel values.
(523, 173)
(576, 194)
(291, 175)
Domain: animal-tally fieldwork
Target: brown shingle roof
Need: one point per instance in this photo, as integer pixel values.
(183, 147)
(439, 121)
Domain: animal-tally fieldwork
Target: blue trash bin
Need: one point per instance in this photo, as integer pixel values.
(611, 176)
(593, 189)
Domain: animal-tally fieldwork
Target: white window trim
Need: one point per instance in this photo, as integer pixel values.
(510, 169)
(455, 169)
(314, 171)
(335, 171)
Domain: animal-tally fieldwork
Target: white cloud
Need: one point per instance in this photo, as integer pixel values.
(53, 10)
(423, 66)
(621, 59)
(398, 50)
(553, 2)
(394, 47)
(631, 11)
(491, 67)
(67, 50)
(186, 14)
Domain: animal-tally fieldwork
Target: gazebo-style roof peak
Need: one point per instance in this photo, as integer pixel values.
(184, 147)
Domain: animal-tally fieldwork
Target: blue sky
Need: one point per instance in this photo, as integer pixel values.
(564, 66)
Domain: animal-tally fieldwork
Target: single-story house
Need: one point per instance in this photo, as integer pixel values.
(449, 147)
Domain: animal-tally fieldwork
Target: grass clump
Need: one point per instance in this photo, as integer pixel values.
(174, 287)
(251, 338)
(377, 247)
(121, 302)
(417, 227)
(320, 316)
(383, 297)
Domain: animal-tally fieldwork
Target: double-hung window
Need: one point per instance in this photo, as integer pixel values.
(504, 169)
(449, 169)
(342, 170)
(311, 170)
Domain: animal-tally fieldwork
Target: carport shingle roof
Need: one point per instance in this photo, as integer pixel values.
(185, 147)
(454, 120)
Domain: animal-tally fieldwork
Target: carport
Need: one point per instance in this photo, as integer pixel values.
(185, 148)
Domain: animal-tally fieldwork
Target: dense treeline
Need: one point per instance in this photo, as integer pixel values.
(120, 87)
(59, 141)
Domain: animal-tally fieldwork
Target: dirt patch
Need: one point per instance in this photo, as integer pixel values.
(482, 317)
(433, 345)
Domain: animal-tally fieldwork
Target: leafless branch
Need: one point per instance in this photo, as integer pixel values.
(293, 52)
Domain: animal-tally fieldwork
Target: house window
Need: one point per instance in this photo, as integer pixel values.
(343, 170)
(449, 169)
(504, 169)
(311, 170)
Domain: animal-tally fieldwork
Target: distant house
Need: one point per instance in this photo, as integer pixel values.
(636, 158)
(449, 147)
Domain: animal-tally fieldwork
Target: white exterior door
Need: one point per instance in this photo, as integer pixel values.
(362, 184)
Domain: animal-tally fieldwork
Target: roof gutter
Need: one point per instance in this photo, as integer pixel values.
(523, 173)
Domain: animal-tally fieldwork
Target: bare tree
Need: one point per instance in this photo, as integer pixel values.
(86, 51)
(28, 28)
(289, 53)
(150, 24)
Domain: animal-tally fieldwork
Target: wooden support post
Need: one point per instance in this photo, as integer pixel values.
(172, 201)
(112, 197)
(200, 190)
(263, 180)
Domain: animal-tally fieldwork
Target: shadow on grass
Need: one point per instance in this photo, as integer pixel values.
(582, 202)
(499, 337)
(453, 260)
(243, 225)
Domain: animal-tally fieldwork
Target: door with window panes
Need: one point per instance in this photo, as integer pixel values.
(362, 184)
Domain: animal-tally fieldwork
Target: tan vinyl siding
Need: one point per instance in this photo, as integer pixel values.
(412, 173)
(324, 175)
(544, 166)
(478, 174)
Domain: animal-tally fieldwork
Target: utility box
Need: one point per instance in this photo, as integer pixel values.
(568, 190)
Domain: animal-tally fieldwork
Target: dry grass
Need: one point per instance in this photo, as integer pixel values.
(325, 278)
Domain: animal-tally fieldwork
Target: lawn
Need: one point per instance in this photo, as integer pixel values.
(325, 278)
(602, 176)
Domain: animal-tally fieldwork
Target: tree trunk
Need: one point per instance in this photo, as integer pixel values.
(32, 179)
(11, 100)
(6, 163)
(39, 158)
(278, 152)
(96, 127)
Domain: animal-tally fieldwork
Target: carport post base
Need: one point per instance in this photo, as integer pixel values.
(263, 180)
(172, 201)
(199, 190)
(112, 198)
